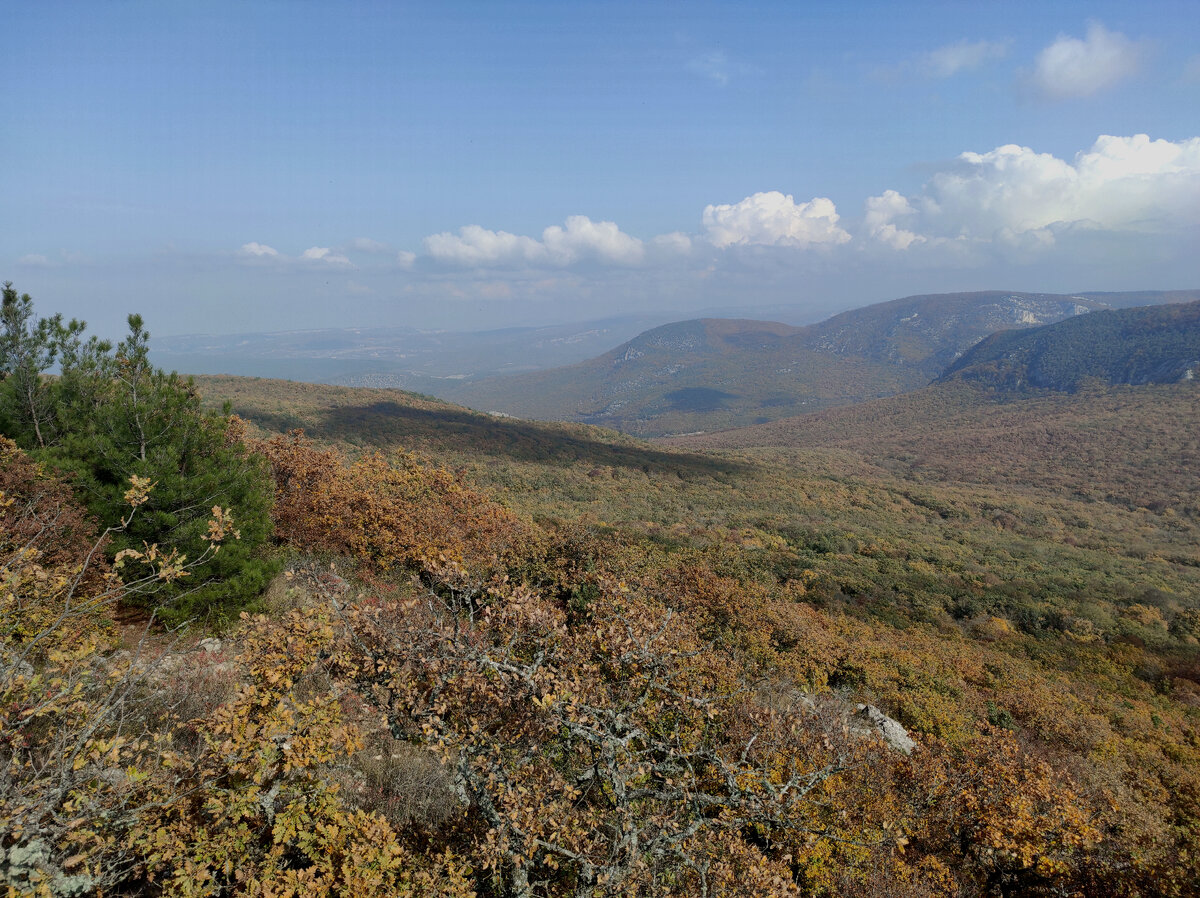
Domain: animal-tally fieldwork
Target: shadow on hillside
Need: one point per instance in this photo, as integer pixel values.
(390, 425)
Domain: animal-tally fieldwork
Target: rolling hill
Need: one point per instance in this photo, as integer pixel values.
(711, 374)
(1128, 445)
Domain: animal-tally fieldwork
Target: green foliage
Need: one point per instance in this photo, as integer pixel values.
(110, 416)
(29, 347)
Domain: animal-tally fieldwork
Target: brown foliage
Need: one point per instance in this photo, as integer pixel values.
(38, 512)
(620, 757)
(385, 513)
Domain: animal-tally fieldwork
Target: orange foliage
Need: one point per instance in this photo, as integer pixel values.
(385, 513)
(38, 511)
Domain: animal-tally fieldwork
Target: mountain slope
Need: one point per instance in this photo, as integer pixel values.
(1132, 446)
(692, 375)
(713, 374)
(1039, 640)
(361, 418)
(1158, 344)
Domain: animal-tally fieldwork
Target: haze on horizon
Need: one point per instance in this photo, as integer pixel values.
(226, 167)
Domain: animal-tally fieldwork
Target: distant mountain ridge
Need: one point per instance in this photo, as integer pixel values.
(710, 374)
(931, 331)
(1136, 346)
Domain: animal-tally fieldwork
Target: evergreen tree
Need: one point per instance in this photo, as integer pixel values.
(29, 347)
(112, 415)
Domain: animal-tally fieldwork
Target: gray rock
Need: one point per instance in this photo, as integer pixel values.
(871, 719)
(212, 645)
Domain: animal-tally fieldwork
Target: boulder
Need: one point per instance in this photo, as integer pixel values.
(871, 719)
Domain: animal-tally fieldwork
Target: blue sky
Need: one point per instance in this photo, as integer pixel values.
(242, 166)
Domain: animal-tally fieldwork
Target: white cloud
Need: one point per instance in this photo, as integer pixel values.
(1073, 67)
(405, 259)
(714, 66)
(315, 255)
(474, 246)
(1015, 196)
(879, 220)
(583, 238)
(717, 67)
(34, 260)
(578, 239)
(960, 57)
(773, 219)
(676, 243)
(324, 255)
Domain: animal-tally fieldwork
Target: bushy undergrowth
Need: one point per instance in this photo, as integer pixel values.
(618, 678)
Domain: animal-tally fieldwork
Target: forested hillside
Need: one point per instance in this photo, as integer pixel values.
(1159, 344)
(714, 374)
(1041, 533)
(940, 644)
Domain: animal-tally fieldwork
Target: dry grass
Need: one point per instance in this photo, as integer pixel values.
(404, 783)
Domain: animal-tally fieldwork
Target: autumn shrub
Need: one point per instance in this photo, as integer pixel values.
(387, 513)
(133, 772)
(612, 755)
(73, 713)
(261, 817)
(1013, 823)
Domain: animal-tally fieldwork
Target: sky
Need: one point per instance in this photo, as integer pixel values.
(223, 167)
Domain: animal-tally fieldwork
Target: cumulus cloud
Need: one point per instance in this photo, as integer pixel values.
(578, 239)
(774, 219)
(1022, 198)
(405, 259)
(960, 57)
(34, 260)
(1073, 67)
(582, 238)
(258, 250)
(882, 211)
(475, 246)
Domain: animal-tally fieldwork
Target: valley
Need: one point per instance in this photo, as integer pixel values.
(716, 374)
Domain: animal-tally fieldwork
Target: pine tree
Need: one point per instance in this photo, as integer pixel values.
(112, 415)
